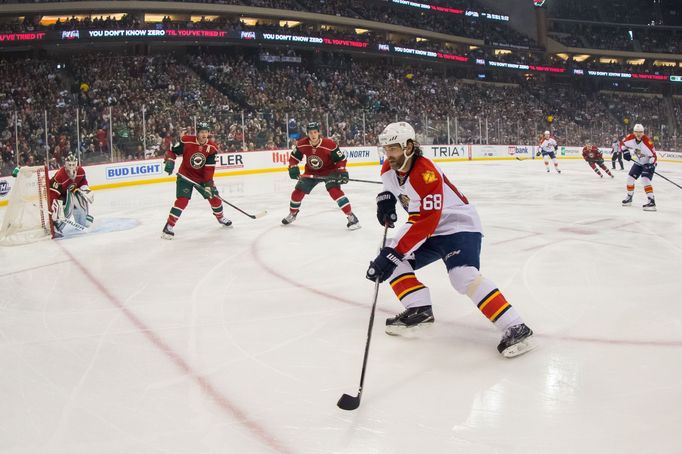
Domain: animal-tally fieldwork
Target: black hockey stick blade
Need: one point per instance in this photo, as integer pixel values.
(348, 403)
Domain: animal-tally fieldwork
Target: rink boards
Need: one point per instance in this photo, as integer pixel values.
(129, 173)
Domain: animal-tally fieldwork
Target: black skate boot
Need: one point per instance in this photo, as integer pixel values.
(224, 221)
(628, 201)
(167, 233)
(291, 217)
(353, 222)
(651, 206)
(409, 319)
(516, 341)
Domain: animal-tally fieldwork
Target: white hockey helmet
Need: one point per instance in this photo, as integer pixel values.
(547, 133)
(638, 128)
(399, 132)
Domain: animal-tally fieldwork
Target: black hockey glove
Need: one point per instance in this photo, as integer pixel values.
(386, 214)
(294, 172)
(210, 190)
(538, 153)
(648, 169)
(627, 156)
(383, 265)
(341, 177)
(168, 166)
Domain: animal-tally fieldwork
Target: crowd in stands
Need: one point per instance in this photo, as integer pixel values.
(659, 12)
(602, 36)
(374, 10)
(520, 56)
(253, 105)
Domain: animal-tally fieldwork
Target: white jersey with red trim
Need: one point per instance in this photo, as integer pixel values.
(642, 149)
(434, 205)
(548, 145)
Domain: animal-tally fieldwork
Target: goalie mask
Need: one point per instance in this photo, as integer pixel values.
(71, 164)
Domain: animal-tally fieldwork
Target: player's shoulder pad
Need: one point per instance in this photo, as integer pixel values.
(213, 145)
(328, 143)
(302, 142)
(385, 167)
(188, 139)
(649, 143)
(630, 136)
(424, 174)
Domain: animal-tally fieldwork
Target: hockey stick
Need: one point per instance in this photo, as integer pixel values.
(260, 214)
(347, 402)
(670, 181)
(336, 180)
(73, 224)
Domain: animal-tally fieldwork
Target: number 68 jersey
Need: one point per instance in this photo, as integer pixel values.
(434, 205)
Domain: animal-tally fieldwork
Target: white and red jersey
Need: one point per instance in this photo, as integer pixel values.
(434, 205)
(548, 145)
(642, 149)
(61, 183)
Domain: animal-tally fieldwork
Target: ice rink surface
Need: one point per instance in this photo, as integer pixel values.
(242, 340)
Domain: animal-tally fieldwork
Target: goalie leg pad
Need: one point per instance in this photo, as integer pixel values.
(57, 210)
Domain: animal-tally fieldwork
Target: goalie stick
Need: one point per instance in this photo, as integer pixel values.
(260, 214)
(348, 402)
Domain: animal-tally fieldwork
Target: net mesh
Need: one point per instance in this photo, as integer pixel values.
(27, 217)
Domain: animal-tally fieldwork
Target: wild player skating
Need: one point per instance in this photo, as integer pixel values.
(198, 164)
(548, 147)
(70, 197)
(643, 164)
(441, 224)
(325, 160)
(595, 158)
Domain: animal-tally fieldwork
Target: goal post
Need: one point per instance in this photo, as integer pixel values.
(27, 217)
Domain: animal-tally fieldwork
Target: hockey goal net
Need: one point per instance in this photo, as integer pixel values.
(27, 217)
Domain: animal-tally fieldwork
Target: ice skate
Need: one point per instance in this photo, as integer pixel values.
(628, 201)
(291, 217)
(224, 221)
(353, 222)
(410, 319)
(516, 341)
(650, 206)
(167, 233)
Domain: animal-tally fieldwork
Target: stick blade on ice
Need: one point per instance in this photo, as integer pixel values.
(347, 402)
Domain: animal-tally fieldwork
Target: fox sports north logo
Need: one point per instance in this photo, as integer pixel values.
(197, 160)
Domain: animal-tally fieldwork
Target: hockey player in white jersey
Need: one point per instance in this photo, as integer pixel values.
(643, 164)
(548, 147)
(441, 225)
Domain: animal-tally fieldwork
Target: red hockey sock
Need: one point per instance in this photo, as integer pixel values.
(340, 198)
(296, 199)
(178, 207)
(216, 206)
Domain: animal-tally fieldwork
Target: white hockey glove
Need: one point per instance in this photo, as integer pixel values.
(87, 193)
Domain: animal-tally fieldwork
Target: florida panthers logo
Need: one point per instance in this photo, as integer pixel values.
(197, 160)
(315, 162)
